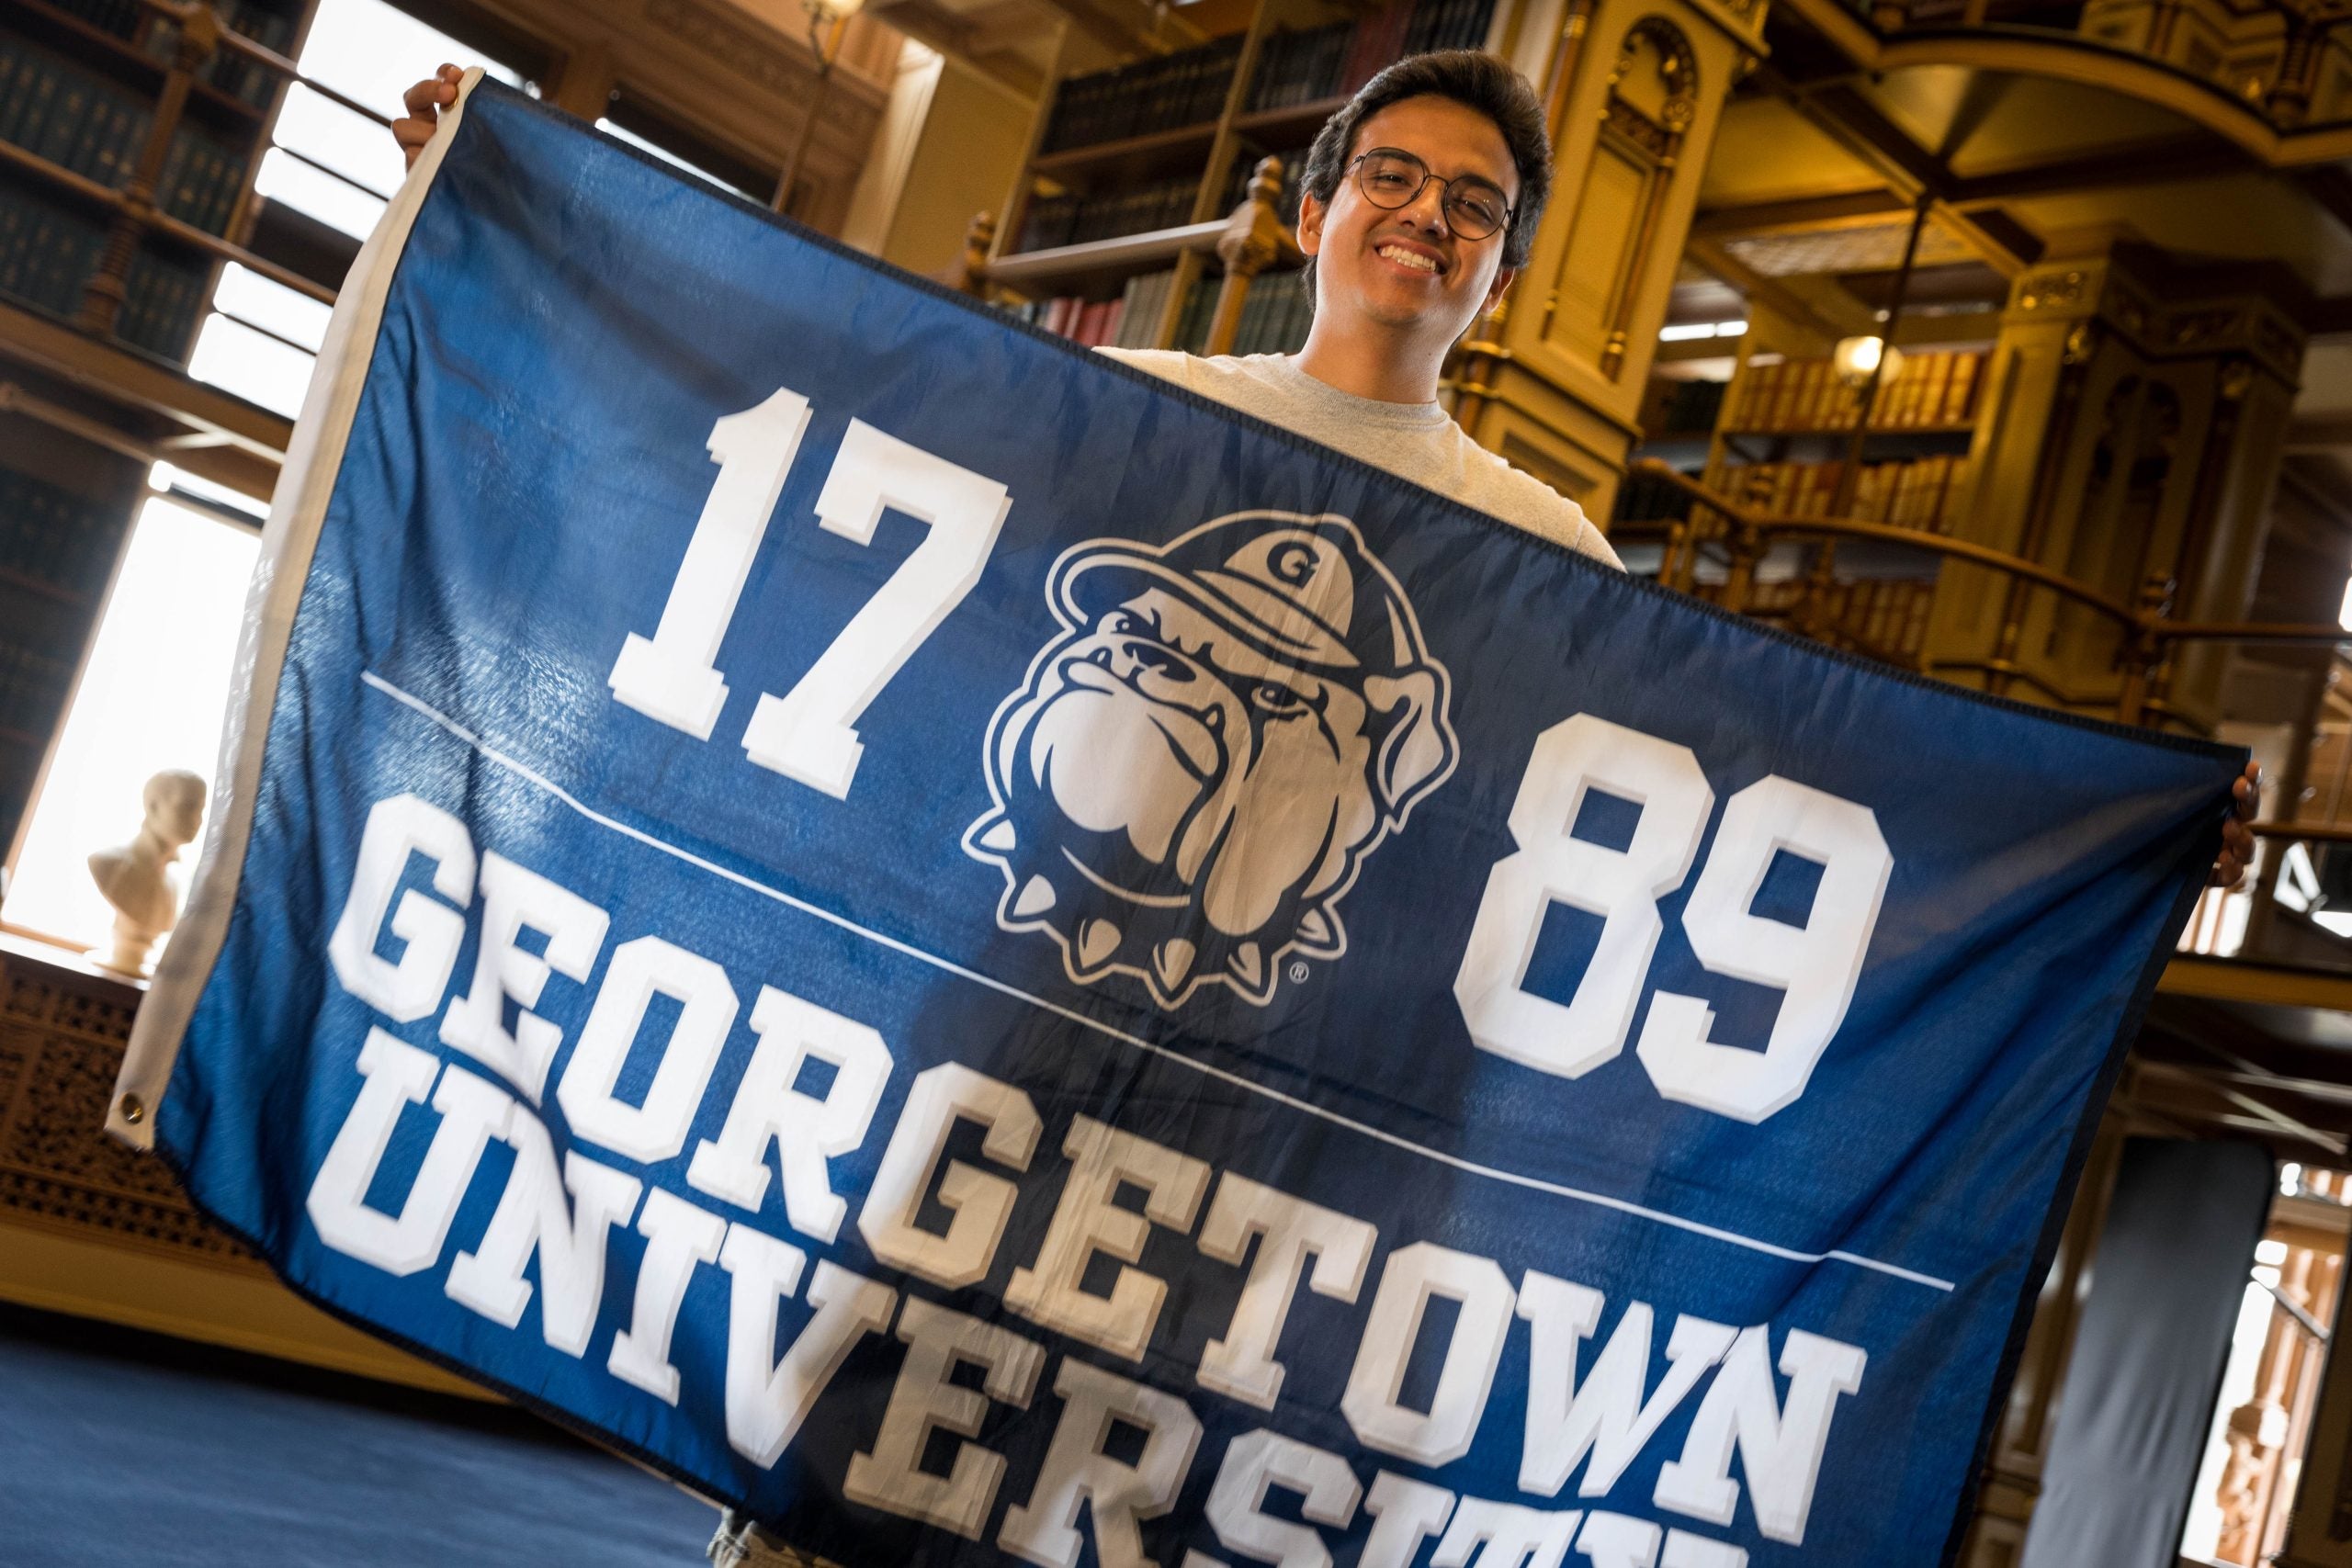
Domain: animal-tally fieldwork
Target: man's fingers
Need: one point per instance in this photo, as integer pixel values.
(412, 135)
(427, 96)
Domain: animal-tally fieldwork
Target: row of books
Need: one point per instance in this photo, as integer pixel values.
(32, 688)
(1927, 390)
(1132, 320)
(1334, 61)
(259, 20)
(47, 252)
(1682, 408)
(120, 17)
(1275, 316)
(1244, 169)
(54, 536)
(227, 70)
(1089, 323)
(1887, 618)
(1644, 498)
(1922, 494)
(97, 129)
(1074, 219)
(164, 298)
(1162, 94)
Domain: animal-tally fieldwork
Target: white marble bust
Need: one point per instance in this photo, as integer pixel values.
(138, 878)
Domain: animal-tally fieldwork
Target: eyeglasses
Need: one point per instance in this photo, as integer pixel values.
(1474, 208)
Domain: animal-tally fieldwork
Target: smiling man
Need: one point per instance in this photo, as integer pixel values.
(1421, 198)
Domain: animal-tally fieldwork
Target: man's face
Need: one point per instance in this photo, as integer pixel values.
(1406, 267)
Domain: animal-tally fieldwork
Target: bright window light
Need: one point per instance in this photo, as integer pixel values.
(258, 368)
(153, 697)
(351, 144)
(619, 133)
(1687, 331)
(286, 178)
(371, 52)
(164, 479)
(259, 302)
(2201, 1533)
(2343, 616)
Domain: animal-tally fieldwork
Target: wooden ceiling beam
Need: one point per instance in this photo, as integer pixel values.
(1128, 26)
(1769, 292)
(1847, 209)
(1880, 145)
(2156, 163)
(989, 49)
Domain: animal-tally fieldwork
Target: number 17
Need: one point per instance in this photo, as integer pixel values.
(809, 733)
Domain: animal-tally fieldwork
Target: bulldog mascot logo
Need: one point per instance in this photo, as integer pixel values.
(1226, 727)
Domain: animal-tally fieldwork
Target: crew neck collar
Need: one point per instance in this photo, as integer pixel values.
(1348, 405)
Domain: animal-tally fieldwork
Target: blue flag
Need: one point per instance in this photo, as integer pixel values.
(991, 961)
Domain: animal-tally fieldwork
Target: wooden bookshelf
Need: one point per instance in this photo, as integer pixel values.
(1272, 103)
(128, 151)
(47, 23)
(1131, 156)
(1101, 262)
(97, 97)
(1293, 125)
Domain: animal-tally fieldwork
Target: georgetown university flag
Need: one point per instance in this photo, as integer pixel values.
(996, 963)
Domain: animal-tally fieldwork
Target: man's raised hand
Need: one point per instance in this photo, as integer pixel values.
(2237, 832)
(424, 102)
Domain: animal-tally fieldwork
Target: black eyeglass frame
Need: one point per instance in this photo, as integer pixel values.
(1446, 190)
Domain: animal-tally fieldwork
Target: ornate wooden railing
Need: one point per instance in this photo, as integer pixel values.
(1738, 536)
(1250, 243)
(2277, 917)
(2271, 59)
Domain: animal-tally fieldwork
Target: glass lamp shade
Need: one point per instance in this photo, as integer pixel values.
(1856, 357)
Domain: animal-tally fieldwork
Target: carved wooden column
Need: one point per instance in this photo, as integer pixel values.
(2288, 102)
(1255, 239)
(2139, 411)
(103, 296)
(1634, 93)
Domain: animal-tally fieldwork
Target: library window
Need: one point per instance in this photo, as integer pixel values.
(333, 168)
(627, 120)
(152, 695)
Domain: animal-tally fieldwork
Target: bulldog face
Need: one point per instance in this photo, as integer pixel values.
(1181, 804)
(1172, 758)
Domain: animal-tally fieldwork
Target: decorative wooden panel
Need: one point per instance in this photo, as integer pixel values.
(61, 1037)
(1619, 207)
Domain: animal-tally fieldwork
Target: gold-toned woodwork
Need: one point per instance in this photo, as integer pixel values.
(1255, 240)
(90, 1227)
(2132, 433)
(1634, 93)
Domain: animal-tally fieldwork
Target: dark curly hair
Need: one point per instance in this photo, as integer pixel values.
(1473, 79)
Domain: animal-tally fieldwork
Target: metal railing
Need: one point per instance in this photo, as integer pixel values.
(1738, 536)
(2282, 914)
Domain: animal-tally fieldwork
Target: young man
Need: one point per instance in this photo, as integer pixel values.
(1421, 200)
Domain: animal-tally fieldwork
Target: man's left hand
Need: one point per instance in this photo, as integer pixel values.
(2237, 833)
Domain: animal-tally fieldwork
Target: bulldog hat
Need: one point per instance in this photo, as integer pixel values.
(1304, 589)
